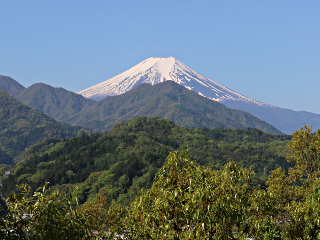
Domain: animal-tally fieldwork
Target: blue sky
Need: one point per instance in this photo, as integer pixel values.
(265, 50)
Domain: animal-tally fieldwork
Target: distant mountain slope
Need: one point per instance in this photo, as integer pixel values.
(10, 86)
(22, 126)
(182, 106)
(57, 103)
(156, 70)
(286, 120)
(170, 101)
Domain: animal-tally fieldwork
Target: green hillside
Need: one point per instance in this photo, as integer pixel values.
(22, 126)
(119, 163)
(57, 103)
(168, 100)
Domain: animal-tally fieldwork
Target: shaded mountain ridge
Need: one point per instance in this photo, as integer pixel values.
(168, 100)
(22, 126)
(155, 70)
(10, 86)
(57, 103)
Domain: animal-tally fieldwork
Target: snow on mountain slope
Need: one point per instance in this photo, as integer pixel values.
(155, 70)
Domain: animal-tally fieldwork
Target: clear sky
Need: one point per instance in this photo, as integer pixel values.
(265, 50)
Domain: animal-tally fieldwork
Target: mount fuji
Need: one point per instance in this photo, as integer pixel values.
(156, 70)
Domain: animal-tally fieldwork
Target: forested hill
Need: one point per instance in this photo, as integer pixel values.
(57, 103)
(22, 126)
(121, 162)
(168, 100)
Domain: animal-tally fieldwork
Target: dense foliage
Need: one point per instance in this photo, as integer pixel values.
(22, 126)
(46, 215)
(189, 201)
(3, 207)
(119, 163)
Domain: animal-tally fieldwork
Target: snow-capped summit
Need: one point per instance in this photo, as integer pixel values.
(155, 70)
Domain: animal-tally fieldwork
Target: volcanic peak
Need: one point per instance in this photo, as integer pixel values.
(159, 69)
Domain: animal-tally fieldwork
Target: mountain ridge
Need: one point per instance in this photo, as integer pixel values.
(58, 103)
(156, 70)
(168, 100)
(22, 126)
(285, 119)
(10, 86)
(68, 107)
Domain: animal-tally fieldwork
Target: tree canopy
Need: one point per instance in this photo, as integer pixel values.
(187, 201)
(119, 163)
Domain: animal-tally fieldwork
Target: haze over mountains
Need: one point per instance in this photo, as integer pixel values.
(156, 70)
